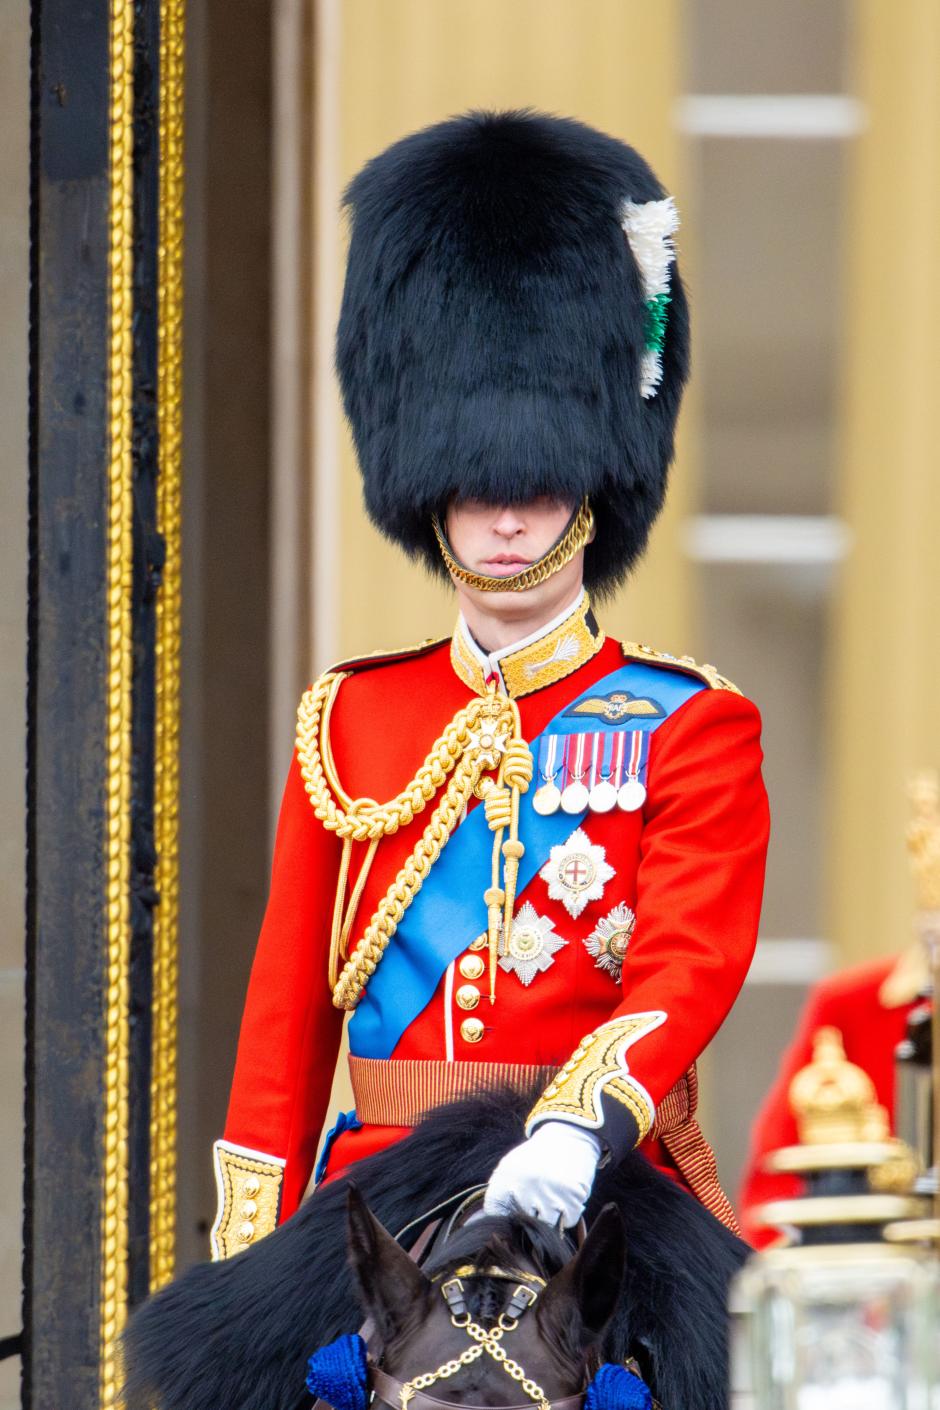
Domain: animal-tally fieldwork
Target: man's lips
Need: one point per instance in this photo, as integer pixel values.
(504, 565)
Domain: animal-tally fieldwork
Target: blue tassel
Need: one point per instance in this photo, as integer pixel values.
(337, 1373)
(615, 1388)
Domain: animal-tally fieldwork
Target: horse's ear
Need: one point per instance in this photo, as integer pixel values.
(579, 1301)
(392, 1287)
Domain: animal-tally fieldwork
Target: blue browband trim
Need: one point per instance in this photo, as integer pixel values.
(448, 912)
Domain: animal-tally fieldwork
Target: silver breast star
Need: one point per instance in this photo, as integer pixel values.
(531, 945)
(609, 939)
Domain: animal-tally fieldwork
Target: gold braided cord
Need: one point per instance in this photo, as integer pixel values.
(452, 773)
(575, 537)
(169, 523)
(113, 1288)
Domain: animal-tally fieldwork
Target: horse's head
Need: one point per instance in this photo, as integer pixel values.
(502, 1315)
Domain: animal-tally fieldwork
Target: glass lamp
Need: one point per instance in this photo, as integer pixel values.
(836, 1317)
(845, 1314)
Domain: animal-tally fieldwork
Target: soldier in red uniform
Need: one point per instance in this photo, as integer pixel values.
(869, 1004)
(527, 853)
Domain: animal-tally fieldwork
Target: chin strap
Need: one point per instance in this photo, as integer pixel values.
(574, 537)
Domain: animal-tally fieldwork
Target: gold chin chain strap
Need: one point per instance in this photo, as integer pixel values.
(481, 754)
(574, 538)
(486, 1341)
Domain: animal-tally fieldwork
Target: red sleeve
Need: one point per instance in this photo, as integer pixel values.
(699, 889)
(775, 1124)
(290, 1030)
(700, 882)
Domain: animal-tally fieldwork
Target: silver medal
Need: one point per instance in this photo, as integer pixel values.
(575, 798)
(547, 799)
(603, 797)
(631, 796)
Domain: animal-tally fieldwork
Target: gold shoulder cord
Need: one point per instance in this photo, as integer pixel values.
(483, 738)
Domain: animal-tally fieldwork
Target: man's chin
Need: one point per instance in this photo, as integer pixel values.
(510, 602)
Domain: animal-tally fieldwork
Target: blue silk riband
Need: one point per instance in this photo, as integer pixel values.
(448, 912)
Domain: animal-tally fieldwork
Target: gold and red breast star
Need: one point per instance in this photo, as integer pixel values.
(609, 939)
(576, 872)
(531, 945)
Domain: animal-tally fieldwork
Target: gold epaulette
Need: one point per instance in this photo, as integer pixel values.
(637, 651)
(383, 658)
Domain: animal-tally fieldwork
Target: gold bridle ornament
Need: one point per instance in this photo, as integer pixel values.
(575, 536)
(480, 754)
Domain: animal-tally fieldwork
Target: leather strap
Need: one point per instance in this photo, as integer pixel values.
(388, 1389)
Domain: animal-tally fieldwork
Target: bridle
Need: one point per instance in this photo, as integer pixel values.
(411, 1394)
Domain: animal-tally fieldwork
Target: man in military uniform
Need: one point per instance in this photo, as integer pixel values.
(869, 1004)
(527, 854)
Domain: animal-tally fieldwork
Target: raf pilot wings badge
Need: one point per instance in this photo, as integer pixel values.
(617, 707)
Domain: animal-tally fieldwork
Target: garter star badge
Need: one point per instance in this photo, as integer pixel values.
(531, 945)
(576, 872)
(609, 939)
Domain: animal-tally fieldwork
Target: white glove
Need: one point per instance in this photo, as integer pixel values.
(550, 1175)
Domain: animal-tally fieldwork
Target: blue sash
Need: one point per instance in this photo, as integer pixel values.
(449, 912)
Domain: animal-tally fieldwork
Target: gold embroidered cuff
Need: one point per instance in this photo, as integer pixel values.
(594, 1087)
(249, 1186)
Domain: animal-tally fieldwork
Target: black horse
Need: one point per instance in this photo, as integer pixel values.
(237, 1334)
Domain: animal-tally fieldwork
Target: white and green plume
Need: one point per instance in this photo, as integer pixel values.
(649, 227)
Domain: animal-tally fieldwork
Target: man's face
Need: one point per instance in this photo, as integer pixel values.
(500, 540)
(497, 541)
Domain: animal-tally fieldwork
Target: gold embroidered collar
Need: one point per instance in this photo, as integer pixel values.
(555, 651)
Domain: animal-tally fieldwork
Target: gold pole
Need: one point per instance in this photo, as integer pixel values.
(923, 846)
(120, 550)
(169, 523)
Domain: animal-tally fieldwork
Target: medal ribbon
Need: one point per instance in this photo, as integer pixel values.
(575, 750)
(639, 755)
(550, 748)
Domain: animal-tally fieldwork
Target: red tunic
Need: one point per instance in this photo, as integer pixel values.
(690, 865)
(871, 1015)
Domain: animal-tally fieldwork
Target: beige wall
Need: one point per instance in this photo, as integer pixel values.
(884, 719)
(398, 67)
(14, 156)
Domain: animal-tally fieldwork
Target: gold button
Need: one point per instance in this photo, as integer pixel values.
(479, 943)
(246, 1232)
(471, 967)
(252, 1186)
(467, 996)
(249, 1209)
(471, 1030)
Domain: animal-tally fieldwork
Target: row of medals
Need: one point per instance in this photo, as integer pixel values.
(576, 797)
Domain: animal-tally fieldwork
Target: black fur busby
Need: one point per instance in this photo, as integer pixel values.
(493, 326)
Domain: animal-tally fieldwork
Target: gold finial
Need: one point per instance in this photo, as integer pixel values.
(832, 1099)
(923, 838)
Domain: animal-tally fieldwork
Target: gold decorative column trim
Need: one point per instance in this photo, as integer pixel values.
(163, 1094)
(119, 555)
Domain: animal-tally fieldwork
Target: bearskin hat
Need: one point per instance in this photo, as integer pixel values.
(494, 326)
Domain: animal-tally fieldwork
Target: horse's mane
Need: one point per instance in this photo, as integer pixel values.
(502, 1242)
(238, 1333)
